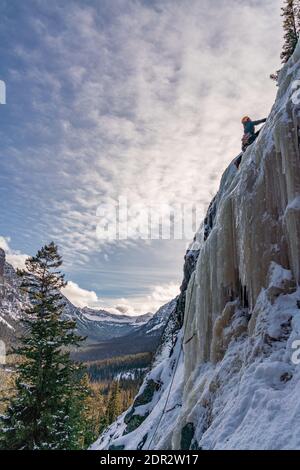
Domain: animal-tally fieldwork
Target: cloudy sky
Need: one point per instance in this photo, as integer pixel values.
(134, 98)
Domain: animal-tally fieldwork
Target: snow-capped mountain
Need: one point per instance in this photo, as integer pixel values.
(226, 375)
(103, 330)
(100, 325)
(140, 337)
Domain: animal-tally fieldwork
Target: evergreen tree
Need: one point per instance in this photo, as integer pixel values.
(114, 406)
(291, 26)
(46, 411)
(290, 13)
(95, 419)
(103, 423)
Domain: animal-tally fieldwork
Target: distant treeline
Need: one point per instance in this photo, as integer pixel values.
(108, 369)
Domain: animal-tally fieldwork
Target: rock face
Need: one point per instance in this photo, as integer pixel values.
(230, 381)
(2, 263)
(12, 300)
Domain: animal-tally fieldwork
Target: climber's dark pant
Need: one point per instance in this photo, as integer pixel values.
(244, 148)
(250, 140)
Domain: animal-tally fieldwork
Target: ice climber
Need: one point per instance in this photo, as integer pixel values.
(249, 131)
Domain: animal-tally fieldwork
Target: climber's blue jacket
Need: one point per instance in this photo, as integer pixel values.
(249, 127)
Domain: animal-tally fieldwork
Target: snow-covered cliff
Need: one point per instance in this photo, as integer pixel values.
(227, 381)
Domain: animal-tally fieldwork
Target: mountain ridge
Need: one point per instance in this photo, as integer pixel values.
(101, 329)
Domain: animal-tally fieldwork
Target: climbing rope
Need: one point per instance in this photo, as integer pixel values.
(174, 372)
(190, 339)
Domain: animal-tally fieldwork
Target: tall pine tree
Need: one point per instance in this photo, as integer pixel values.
(291, 27)
(290, 13)
(46, 411)
(114, 406)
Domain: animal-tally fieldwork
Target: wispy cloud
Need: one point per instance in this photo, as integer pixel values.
(128, 306)
(81, 297)
(14, 257)
(134, 98)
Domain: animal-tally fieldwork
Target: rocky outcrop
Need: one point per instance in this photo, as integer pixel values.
(2, 263)
(2, 266)
(12, 300)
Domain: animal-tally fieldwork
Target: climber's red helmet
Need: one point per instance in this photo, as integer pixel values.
(245, 119)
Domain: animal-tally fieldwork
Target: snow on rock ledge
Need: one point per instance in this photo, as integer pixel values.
(229, 382)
